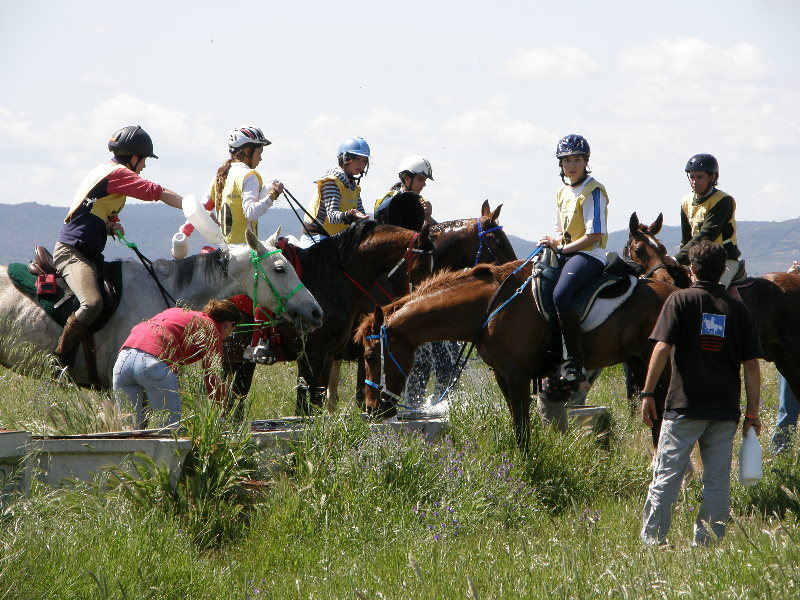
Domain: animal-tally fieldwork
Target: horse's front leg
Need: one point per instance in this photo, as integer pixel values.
(313, 371)
(332, 397)
(515, 383)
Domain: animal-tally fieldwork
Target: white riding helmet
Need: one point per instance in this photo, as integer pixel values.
(246, 135)
(416, 165)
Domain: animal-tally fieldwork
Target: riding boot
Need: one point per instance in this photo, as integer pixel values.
(572, 368)
(69, 341)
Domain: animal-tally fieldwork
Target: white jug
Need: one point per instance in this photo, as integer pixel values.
(750, 470)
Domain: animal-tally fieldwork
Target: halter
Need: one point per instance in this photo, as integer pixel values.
(258, 269)
(381, 387)
(482, 241)
(646, 274)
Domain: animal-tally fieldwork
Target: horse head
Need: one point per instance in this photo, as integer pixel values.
(261, 269)
(388, 360)
(646, 250)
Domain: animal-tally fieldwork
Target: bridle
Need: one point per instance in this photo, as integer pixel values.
(258, 272)
(385, 351)
(482, 241)
(646, 273)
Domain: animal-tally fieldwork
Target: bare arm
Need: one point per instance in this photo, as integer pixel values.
(171, 198)
(658, 360)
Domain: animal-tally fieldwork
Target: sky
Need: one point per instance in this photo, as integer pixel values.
(484, 90)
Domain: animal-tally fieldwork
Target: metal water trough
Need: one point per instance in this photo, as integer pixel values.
(57, 460)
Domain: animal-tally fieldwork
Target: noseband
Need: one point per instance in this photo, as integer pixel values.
(381, 387)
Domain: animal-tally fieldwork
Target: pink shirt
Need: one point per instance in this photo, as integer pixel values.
(181, 337)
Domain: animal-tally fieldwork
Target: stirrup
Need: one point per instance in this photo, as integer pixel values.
(571, 375)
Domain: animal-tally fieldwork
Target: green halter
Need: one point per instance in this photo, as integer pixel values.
(280, 301)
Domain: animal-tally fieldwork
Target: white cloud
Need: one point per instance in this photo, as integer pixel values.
(696, 60)
(492, 127)
(566, 62)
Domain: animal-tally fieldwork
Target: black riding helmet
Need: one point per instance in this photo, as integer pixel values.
(703, 162)
(572, 144)
(132, 140)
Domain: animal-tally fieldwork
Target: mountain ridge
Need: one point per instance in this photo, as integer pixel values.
(766, 245)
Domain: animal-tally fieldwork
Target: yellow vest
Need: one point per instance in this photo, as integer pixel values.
(105, 207)
(570, 212)
(349, 200)
(230, 213)
(391, 194)
(696, 214)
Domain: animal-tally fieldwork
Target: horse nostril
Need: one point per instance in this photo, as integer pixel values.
(317, 315)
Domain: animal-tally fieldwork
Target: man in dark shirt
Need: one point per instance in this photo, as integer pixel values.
(708, 334)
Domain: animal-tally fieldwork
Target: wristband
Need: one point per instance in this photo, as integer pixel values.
(752, 417)
(647, 394)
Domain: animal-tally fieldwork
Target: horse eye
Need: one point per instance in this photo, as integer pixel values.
(279, 269)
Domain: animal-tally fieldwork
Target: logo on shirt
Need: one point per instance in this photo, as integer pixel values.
(712, 332)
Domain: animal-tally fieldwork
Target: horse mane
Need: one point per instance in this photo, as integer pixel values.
(212, 266)
(339, 247)
(441, 281)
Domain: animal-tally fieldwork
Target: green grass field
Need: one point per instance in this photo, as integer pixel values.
(355, 514)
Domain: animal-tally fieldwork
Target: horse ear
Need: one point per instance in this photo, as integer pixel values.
(633, 224)
(485, 210)
(495, 214)
(254, 243)
(655, 227)
(273, 239)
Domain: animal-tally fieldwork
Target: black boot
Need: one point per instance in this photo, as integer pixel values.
(69, 341)
(572, 368)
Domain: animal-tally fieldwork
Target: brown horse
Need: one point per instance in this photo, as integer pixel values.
(454, 244)
(773, 298)
(514, 343)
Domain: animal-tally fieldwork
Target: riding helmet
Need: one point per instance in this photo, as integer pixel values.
(416, 165)
(241, 136)
(572, 144)
(131, 140)
(703, 162)
(355, 146)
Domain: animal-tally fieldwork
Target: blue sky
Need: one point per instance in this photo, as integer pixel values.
(483, 90)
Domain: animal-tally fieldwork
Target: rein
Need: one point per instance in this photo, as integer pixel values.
(483, 242)
(652, 270)
(148, 266)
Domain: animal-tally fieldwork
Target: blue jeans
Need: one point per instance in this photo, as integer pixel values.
(579, 269)
(138, 373)
(788, 410)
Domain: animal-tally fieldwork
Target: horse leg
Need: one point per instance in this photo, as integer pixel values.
(240, 386)
(313, 372)
(332, 396)
(515, 383)
(638, 371)
(361, 375)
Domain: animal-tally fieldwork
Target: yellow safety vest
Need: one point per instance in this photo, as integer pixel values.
(570, 212)
(230, 213)
(696, 215)
(349, 200)
(105, 207)
(391, 194)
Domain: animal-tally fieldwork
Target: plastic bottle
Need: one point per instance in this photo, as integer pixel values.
(750, 469)
(180, 245)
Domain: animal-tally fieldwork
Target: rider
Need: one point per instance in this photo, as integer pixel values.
(414, 172)
(708, 213)
(581, 235)
(92, 217)
(337, 200)
(237, 195)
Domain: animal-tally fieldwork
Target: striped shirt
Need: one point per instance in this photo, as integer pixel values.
(331, 198)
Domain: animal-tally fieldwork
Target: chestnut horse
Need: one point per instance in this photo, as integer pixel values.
(773, 299)
(325, 268)
(514, 343)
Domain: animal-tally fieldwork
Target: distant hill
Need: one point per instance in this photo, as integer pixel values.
(768, 246)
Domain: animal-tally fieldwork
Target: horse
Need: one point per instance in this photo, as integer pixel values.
(514, 342)
(26, 330)
(339, 270)
(772, 298)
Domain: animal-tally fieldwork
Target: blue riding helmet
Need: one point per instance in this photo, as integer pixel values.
(572, 144)
(703, 162)
(354, 145)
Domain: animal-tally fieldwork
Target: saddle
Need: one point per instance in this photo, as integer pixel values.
(595, 301)
(39, 280)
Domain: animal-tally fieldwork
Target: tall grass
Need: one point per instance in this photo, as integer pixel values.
(358, 512)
